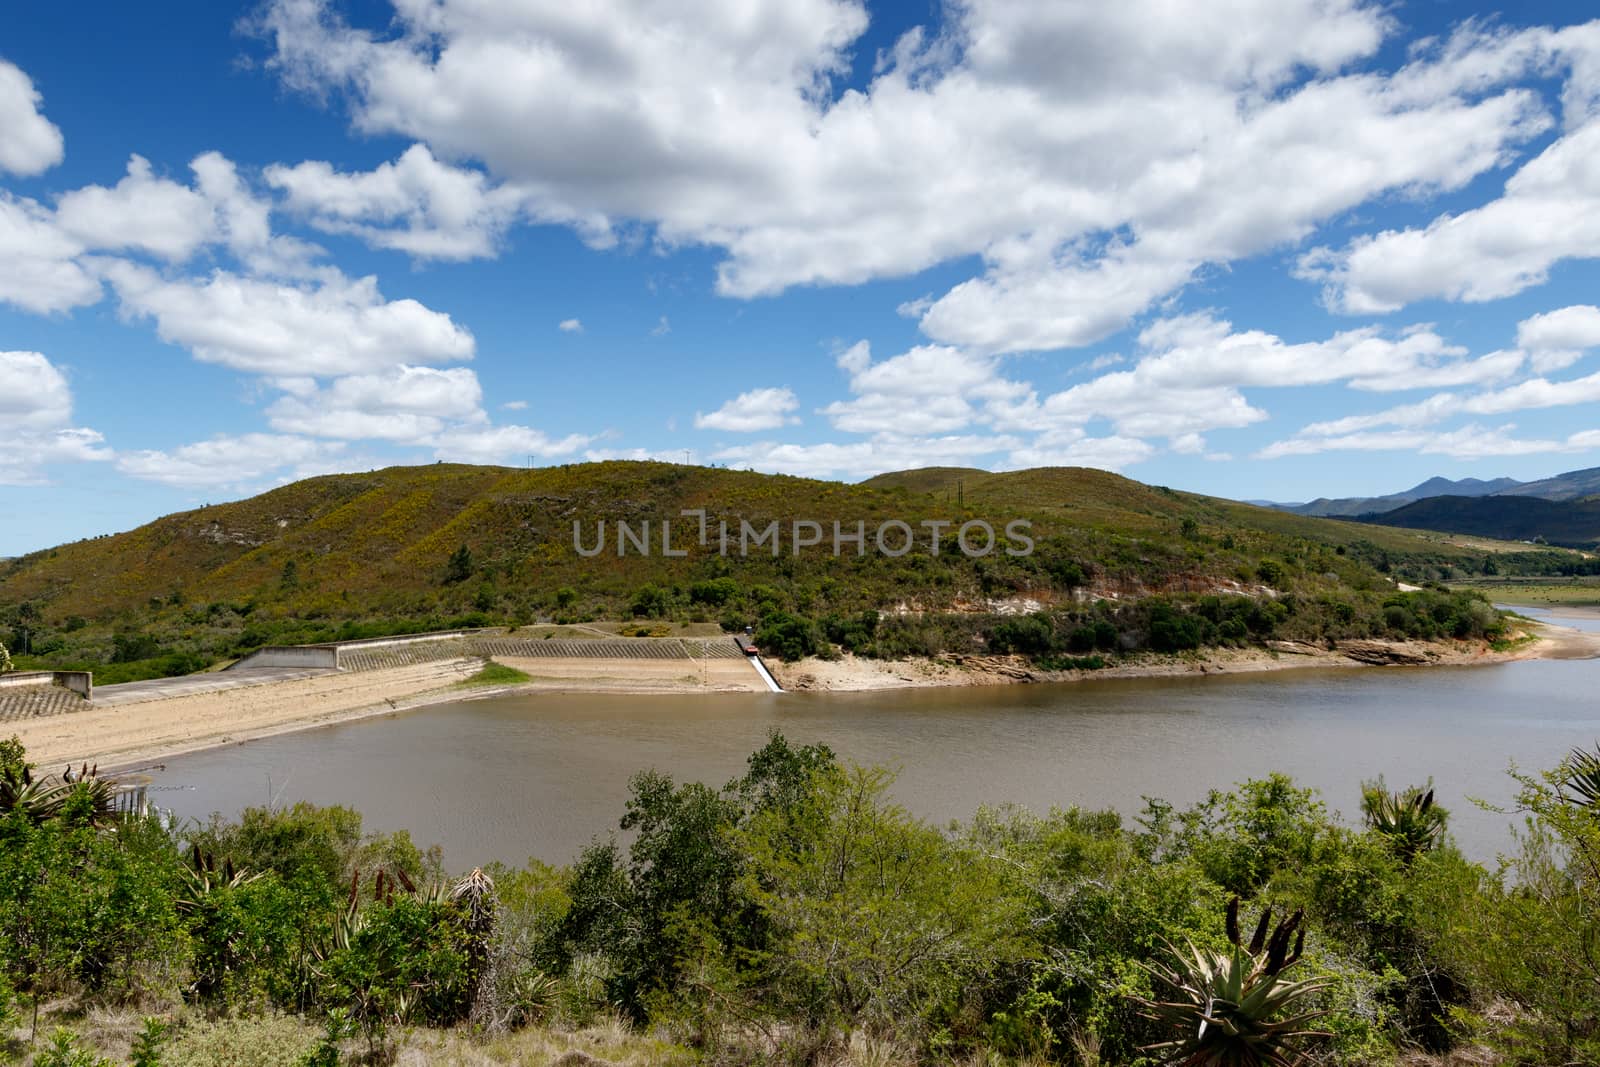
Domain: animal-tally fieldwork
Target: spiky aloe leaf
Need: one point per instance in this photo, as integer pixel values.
(200, 879)
(1409, 820)
(41, 800)
(1583, 777)
(1232, 1008)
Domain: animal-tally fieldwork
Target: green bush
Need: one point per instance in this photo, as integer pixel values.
(1030, 635)
(791, 637)
(714, 592)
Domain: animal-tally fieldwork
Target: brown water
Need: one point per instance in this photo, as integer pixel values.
(541, 775)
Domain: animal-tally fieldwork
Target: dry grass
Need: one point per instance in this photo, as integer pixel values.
(197, 1040)
(607, 1043)
(283, 1041)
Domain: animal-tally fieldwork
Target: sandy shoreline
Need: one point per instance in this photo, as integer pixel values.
(849, 674)
(128, 736)
(133, 735)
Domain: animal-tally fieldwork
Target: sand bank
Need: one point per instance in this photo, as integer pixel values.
(132, 734)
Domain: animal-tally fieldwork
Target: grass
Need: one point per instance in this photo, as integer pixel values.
(1535, 592)
(1511, 644)
(283, 1041)
(497, 674)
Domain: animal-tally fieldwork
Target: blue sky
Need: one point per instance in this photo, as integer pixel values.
(1270, 248)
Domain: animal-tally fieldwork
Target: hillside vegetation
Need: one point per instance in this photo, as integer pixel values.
(412, 548)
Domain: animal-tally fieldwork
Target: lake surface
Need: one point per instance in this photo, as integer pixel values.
(541, 775)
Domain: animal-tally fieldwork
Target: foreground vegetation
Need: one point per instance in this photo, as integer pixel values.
(798, 916)
(445, 546)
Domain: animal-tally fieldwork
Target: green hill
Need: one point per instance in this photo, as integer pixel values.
(418, 547)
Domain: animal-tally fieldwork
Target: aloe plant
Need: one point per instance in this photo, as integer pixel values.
(1409, 819)
(1233, 1008)
(475, 896)
(43, 799)
(203, 875)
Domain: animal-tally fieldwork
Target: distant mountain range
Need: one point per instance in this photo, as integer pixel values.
(1571, 523)
(1569, 486)
(1563, 510)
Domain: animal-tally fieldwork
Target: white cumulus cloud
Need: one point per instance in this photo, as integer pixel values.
(142, 212)
(35, 420)
(405, 404)
(1550, 211)
(1559, 338)
(39, 267)
(243, 460)
(507, 445)
(416, 205)
(335, 326)
(758, 409)
(1095, 156)
(29, 142)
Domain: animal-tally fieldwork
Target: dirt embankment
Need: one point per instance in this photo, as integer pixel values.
(849, 673)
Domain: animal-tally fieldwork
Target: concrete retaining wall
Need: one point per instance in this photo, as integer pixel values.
(402, 639)
(302, 656)
(328, 656)
(80, 682)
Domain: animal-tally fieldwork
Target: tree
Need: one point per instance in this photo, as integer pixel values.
(875, 918)
(790, 637)
(459, 567)
(651, 602)
(25, 627)
(5, 660)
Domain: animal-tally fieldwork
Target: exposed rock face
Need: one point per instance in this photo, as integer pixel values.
(217, 534)
(1297, 648)
(1385, 653)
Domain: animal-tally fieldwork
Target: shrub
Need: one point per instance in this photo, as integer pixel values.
(403, 961)
(714, 592)
(855, 633)
(651, 601)
(64, 1051)
(791, 637)
(1030, 635)
(459, 567)
(128, 647)
(1172, 630)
